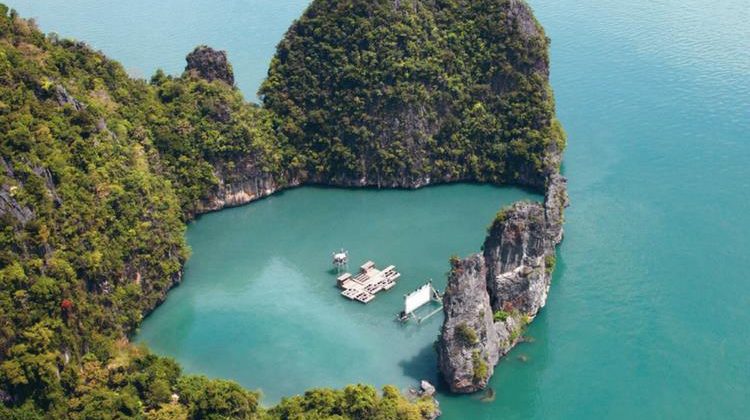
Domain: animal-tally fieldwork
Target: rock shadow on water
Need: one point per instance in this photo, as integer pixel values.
(422, 366)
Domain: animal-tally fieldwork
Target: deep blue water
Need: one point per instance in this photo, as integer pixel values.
(649, 311)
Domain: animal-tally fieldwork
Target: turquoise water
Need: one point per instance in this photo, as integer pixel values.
(146, 35)
(649, 311)
(260, 305)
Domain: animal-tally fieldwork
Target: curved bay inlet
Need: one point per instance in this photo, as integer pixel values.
(259, 302)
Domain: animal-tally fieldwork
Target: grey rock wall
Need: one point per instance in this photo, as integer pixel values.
(512, 276)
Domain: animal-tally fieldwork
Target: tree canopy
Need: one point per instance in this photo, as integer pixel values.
(396, 92)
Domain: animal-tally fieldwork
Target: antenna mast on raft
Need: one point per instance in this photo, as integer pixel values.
(341, 260)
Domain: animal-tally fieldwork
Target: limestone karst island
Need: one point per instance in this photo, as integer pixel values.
(381, 209)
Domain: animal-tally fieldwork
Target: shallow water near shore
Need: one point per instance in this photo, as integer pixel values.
(648, 312)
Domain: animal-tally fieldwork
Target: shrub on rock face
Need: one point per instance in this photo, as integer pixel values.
(467, 334)
(549, 263)
(479, 366)
(501, 315)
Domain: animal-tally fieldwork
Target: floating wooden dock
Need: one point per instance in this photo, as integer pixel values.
(363, 286)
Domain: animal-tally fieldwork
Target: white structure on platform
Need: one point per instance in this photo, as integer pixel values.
(418, 298)
(341, 260)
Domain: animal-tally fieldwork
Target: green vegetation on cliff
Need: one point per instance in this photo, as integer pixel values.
(99, 173)
(392, 93)
(479, 366)
(91, 234)
(203, 128)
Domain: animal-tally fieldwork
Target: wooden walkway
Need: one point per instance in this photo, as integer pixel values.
(363, 286)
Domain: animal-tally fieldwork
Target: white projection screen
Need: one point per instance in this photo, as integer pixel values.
(417, 298)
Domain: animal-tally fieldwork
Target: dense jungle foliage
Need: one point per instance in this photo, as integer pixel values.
(394, 92)
(99, 173)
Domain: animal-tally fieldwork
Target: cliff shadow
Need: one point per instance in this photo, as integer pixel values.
(422, 366)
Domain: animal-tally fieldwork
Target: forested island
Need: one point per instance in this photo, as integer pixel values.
(101, 172)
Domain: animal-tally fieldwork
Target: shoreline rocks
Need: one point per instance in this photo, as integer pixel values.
(495, 294)
(425, 391)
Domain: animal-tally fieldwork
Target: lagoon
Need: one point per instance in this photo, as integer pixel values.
(260, 305)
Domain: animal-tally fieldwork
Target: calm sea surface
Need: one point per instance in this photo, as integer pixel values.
(650, 306)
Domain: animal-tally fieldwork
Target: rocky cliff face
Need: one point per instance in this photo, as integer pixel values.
(210, 64)
(240, 185)
(497, 293)
(246, 183)
(469, 332)
(8, 203)
(514, 251)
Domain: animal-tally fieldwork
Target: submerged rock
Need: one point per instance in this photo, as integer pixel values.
(488, 396)
(210, 64)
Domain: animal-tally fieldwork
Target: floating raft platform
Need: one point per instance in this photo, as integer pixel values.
(363, 286)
